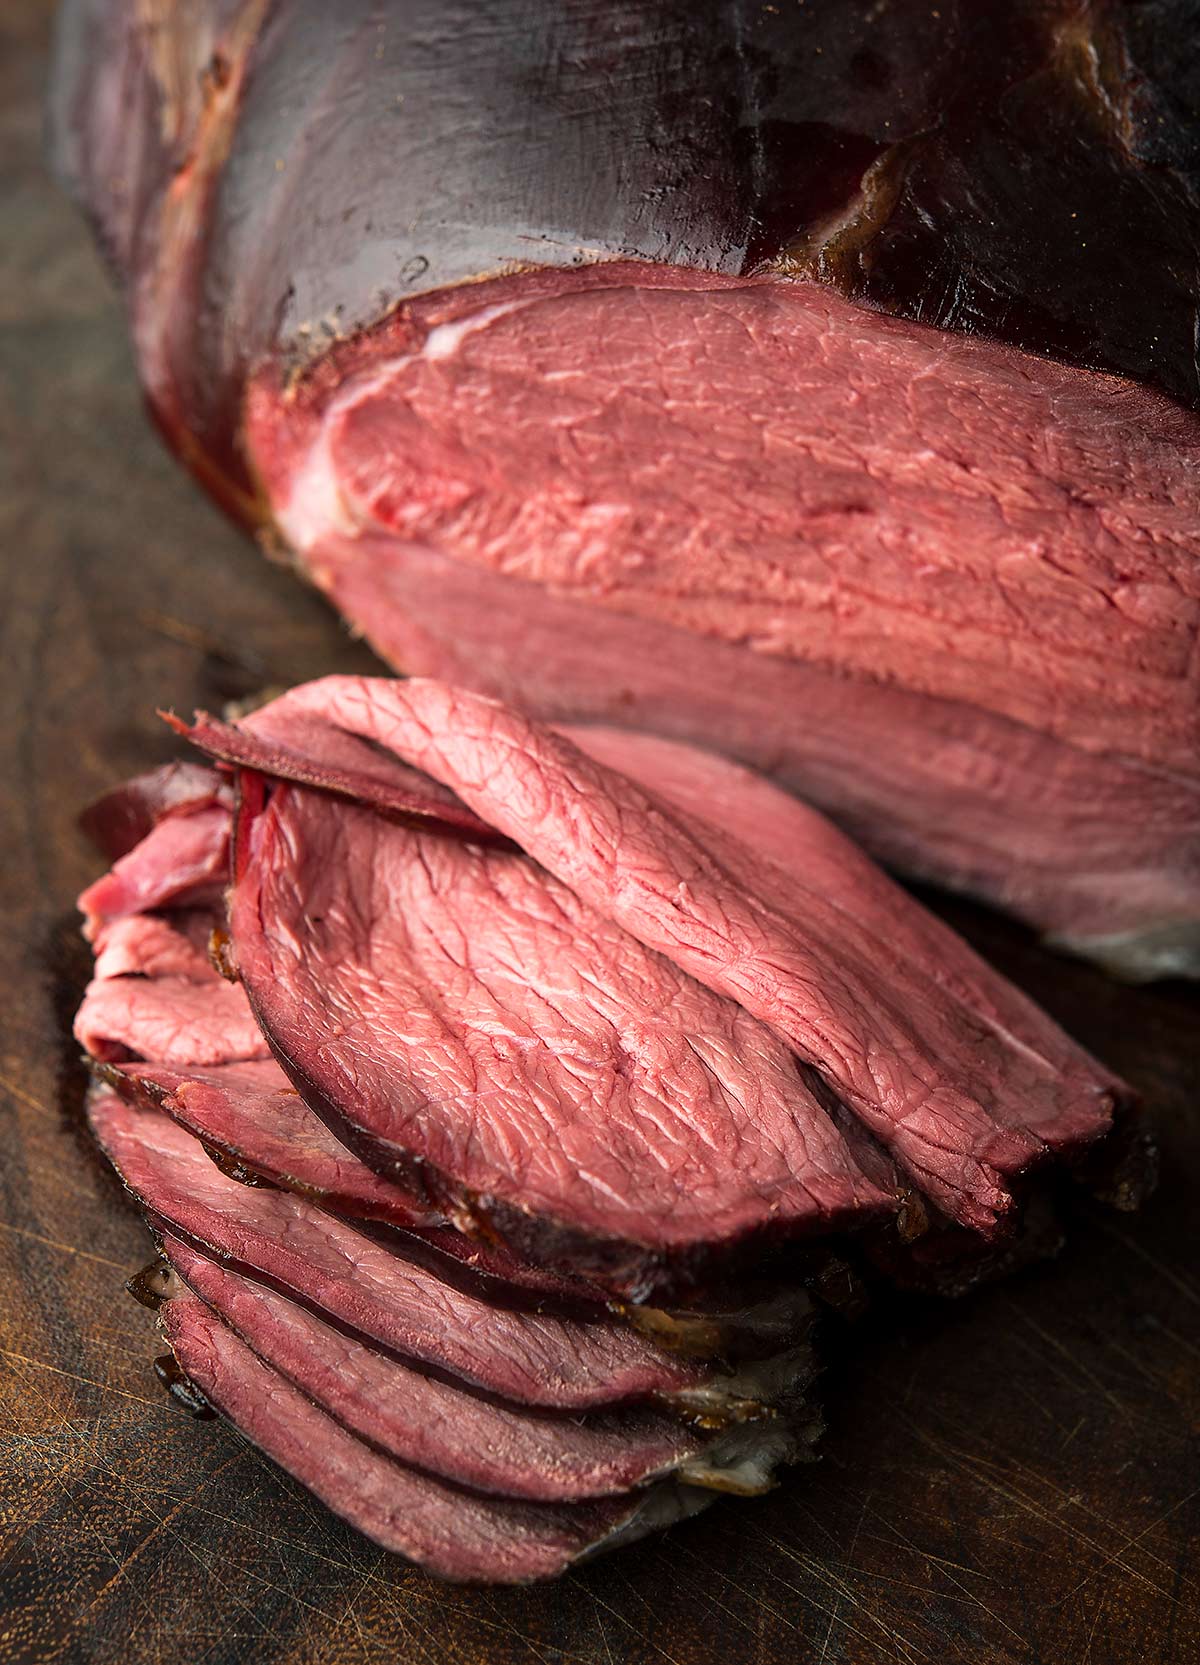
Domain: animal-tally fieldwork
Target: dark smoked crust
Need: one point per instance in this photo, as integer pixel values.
(641, 1273)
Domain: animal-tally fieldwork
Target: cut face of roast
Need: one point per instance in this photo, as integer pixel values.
(915, 564)
(655, 473)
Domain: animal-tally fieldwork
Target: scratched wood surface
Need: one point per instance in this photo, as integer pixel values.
(1013, 1478)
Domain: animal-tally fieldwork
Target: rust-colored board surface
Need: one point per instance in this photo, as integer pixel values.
(1014, 1478)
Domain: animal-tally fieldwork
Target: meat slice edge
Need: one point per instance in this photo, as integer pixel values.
(460, 1010)
(650, 870)
(523, 1357)
(182, 860)
(452, 1533)
(494, 1448)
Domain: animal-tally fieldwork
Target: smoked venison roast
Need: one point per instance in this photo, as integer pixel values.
(586, 355)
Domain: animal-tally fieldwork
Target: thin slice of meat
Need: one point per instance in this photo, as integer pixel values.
(960, 1102)
(153, 945)
(740, 811)
(182, 860)
(316, 753)
(170, 1020)
(250, 1117)
(466, 1013)
(376, 1291)
(450, 1532)
(124, 816)
(491, 1447)
(252, 1120)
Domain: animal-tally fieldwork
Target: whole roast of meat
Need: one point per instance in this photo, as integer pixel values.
(507, 1098)
(584, 355)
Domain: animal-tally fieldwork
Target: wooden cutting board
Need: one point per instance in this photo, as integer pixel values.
(1012, 1478)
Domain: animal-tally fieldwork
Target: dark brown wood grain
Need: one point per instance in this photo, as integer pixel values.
(1012, 1478)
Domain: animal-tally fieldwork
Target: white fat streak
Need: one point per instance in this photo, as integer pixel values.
(445, 339)
(743, 1462)
(759, 1382)
(315, 509)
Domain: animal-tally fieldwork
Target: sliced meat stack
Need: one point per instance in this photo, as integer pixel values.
(498, 1122)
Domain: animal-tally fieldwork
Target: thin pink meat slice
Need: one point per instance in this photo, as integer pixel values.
(182, 860)
(744, 812)
(436, 1427)
(450, 1532)
(897, 1051)
(459, 1005)
(168, 1020)
(525, 1357)
(249, 1111)
(153, 945)
(122, 818)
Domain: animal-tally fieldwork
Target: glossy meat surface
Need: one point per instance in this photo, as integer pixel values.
(946, 592)
(393, 1300)
(963, 1081)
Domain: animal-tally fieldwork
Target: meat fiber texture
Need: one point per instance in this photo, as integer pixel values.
(944, 587)
(448, 1530)
(595, 1053)
(949, 592)
(547, 957)
(418, 1364)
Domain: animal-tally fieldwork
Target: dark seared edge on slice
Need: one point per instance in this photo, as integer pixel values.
(490, 1447)
(524, 1357)
(391, 787)
(925, 1059)
(119, 819)
(452, 1532)
(250, 1114)
(251, 1120)
(635, 1097)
